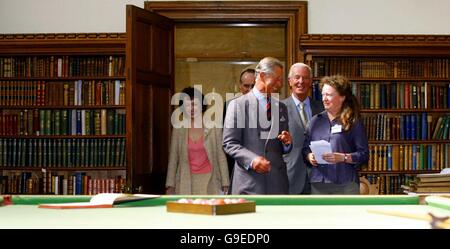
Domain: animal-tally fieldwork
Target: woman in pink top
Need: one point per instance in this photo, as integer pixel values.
(197, 163)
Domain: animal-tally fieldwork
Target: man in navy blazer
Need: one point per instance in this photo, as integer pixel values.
(300, 82)
(257, 138)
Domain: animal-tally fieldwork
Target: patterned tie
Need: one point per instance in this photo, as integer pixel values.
(268, 108)
(303, 115)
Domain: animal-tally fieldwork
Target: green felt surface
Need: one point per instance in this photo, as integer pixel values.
(439, 202)
(271, 212)
(296, 200)
(259, 199)
(266, 216)
(41, 199)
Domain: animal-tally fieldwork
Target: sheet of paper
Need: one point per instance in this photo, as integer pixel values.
(445, 171)
(105, 198)
(319, 148)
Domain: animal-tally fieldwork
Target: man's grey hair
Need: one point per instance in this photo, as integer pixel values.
(300, 65)
(268, 65)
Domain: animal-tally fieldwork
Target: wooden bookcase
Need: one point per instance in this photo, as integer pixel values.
(62, 113)
(403, 85)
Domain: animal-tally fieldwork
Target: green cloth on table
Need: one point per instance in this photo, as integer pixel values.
(259, 199)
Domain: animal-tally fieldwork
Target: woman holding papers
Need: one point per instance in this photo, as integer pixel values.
(341, 129)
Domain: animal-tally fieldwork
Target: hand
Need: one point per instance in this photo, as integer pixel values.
(261, 165)
(170, 190)
(334, 157)
(285, 138)
(312, 159)
(225, 189)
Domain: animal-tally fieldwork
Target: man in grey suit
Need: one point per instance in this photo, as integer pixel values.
(256, 134)
(301, 108)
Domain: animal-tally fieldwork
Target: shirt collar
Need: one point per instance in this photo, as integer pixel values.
(324, 115)
(297, 101)
(259, 95)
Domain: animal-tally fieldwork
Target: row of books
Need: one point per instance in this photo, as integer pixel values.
(400, 127)
(429, 183)
(389, 184)
(382, 67)
(78, 183)
(62, 66)
(62, 153)
(408, 157)
(63, 122)
(74, 93)
(401, 95)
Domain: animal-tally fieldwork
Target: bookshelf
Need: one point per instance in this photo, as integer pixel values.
(62, 113)
(403, 85)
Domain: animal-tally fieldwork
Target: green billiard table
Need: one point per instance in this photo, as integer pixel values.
(284, 211)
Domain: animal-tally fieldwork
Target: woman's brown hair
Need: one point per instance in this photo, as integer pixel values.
(350, 112)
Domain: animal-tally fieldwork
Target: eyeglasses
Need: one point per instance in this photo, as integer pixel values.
(248, 85)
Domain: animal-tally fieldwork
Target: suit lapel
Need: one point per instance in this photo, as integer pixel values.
(252, 105)
(206, 132)
(184, 145)
(296, 114)
(274, 103)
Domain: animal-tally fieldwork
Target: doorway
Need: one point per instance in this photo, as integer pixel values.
(153, 65)
(214, 55)
(215, 41)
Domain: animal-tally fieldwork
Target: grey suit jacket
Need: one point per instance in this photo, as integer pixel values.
(296, 168)
(244, 138)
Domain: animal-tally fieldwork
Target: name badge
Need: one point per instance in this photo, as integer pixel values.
(336, 129)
